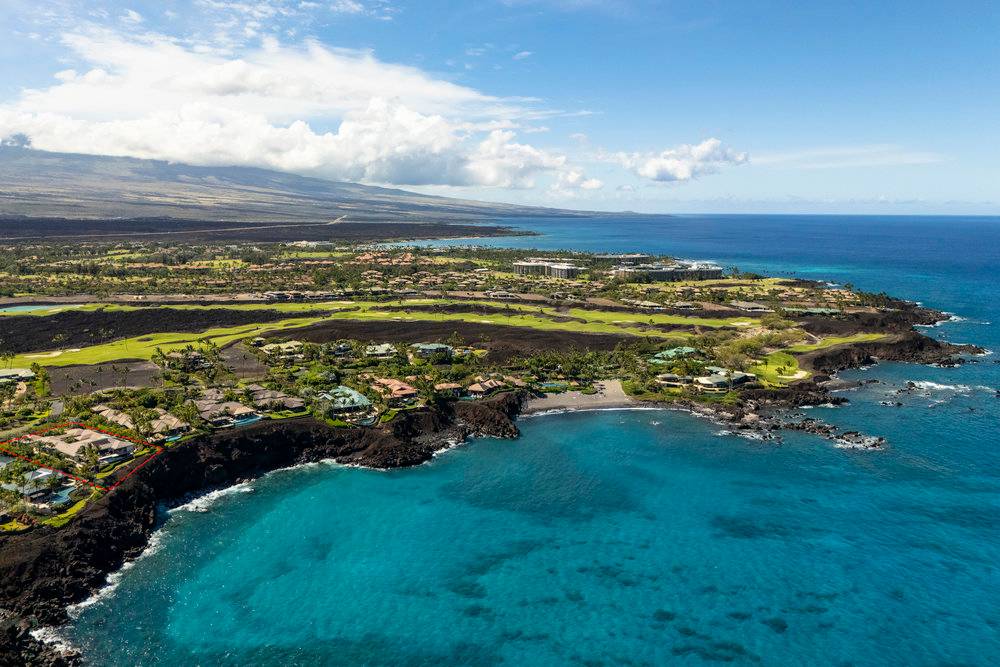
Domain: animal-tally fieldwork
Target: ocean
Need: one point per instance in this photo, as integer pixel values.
(639, 537)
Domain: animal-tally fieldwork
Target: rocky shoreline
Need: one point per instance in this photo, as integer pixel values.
(48, 569)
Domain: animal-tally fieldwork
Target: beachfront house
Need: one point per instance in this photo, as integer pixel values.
(485, 387)
(271, 399)
(163, 426)
(73, 442)
(673, 380)
(449, 389)
(396, 392)
(722, 379)
(344, 401)
(166, 427)
(224, 414)
(42, 488)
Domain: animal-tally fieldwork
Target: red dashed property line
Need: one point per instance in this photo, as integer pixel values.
(54, 427)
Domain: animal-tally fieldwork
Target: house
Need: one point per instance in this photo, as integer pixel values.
(42, 487)
(750, 306)
(186, 360)
(673, 380)
(14, 375)
(223, 414)
(395, 392)
(288, 350)
(672, 354)
(722, 379)
(515, 382)
(342, 350)
(114, 416)
(270, 399)
(381, 351)
(813, 311)
(166, 427)
(484, 387)
(74, 441)
(344, 400)
(449, 389)
(430, 350)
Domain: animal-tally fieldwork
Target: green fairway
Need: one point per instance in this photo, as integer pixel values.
(143, 347)
(540, 317)
(836, 340)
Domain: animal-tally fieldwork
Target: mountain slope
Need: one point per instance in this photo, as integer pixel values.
(42, 184)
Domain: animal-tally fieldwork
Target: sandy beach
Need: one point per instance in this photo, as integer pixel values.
(609, 395)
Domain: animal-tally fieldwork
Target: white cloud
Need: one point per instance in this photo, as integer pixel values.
(346, 7)
(132, 16)
(848, 157)
(153, 97)
(521, 55)
(682, 163)
(574, 179)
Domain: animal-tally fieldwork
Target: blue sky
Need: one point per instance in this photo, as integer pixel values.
(886, 107)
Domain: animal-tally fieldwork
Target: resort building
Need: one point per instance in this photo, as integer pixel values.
(626, 259)
(667, 273)
(271, 399)
(559, 268)
(73, 441)
(664, 273)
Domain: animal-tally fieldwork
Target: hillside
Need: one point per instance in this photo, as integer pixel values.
(62, 185)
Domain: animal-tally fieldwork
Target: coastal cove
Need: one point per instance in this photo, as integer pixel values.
(647, 534)
(628, 516)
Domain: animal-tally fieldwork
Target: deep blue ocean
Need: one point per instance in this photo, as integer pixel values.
(628, 537)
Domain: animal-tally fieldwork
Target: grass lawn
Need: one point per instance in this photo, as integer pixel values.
(13, 526)
(61, 520)
(767, 370)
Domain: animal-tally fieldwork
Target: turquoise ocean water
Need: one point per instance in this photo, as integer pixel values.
(627, 537)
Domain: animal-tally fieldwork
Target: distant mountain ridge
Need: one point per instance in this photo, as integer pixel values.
(68, 185)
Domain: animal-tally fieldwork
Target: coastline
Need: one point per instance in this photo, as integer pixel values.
(609, 395)
(39, 597)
